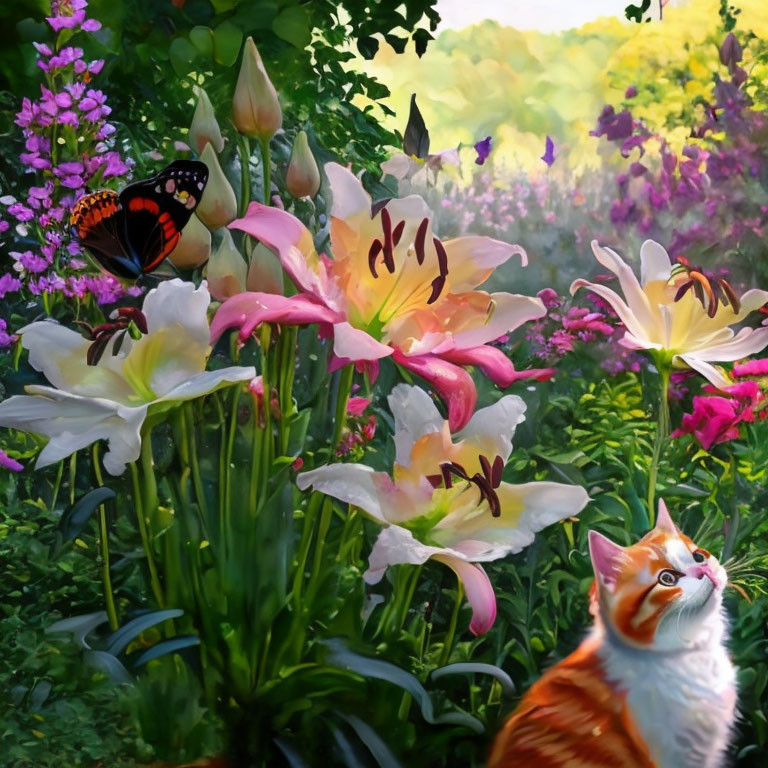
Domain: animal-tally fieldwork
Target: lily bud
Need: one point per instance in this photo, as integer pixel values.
(226, 270)
(218, 205)
(255, 107)
(265, 273)
(204, 128)
(194, 247)
(303, 177)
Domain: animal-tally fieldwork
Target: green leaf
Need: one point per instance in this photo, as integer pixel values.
(368, 46)
(74, 520)
(340, 656)
(421, 38)
(182, 53)
(227, 41)
(109, 665)
(167, 646)
(79, 626)
(464, 668)
(375, 744)
(292, 25)
(202, 39)
(121, 637)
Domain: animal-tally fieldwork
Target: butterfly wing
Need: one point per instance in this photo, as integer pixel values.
(98, 221)
(157, 209)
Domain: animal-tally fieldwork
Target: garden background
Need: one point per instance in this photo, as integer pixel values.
(617, 131)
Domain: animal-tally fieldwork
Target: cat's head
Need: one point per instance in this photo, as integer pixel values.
(663, 593)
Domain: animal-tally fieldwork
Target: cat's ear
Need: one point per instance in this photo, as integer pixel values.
(607, 559)
(664, 521)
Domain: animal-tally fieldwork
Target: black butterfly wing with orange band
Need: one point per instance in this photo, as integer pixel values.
(98, 221)
(157, 209)
(131, 234)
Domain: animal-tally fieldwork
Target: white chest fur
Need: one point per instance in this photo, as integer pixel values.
(683, 702)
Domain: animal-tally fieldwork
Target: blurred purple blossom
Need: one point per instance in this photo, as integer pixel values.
(483, 149)
(549, 152)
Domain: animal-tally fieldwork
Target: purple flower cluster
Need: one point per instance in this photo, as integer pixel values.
(68, 148)
(560, 331)
(711, 192)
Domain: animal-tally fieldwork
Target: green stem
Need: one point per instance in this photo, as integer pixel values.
(266, 378)
(451, 633)
(662, 433)
(244, 151)
(142, 522)
(72, 476)
(197, 480)
(342, 398)
(266, 160)
(106, 577)
(57, 485)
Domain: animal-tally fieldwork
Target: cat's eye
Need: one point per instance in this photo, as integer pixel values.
(669, 578)
(700, 555)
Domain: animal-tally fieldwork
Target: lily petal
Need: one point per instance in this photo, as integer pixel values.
(452, 383)
(633, 292)
(349, 197)
(479, 592)
(177, 303)
(626, 315)
(415, 416)
(491, 429)
(746, 342)
(472, 258)
(525, 510)
(285, 234)
(397, 546)
(208, 381)
(708, 371)
(496, 365)
(247, 310)
(353, 344)
(509, 312)
(60, 354)
(72, 422)
(356, 484)
(654, 262)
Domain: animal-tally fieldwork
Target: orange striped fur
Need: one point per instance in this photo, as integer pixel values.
(577, 715)
(571, 718)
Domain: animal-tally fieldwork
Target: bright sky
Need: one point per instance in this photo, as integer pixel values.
(544, 15)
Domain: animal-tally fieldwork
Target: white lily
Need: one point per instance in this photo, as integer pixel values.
(110, 400)
(690, 331)
(446, 500)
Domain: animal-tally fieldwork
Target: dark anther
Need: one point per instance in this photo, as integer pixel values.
(442, 257)
(386, 225)
(437, 288)
(129, 320)
(398, 233)
(373, 254)
(711, 291)
(421, 237)
(483, 482)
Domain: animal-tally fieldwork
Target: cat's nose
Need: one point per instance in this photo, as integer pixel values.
(701, 571)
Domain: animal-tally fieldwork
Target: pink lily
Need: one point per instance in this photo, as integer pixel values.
(392, 288)
(446, 499)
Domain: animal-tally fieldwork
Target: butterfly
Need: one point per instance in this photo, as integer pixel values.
(132, 232)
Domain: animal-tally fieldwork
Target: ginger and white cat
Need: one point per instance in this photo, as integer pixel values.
(652, 686)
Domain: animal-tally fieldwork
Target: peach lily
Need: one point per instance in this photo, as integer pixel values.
(446, 500)
(662, 315)
(391, 289)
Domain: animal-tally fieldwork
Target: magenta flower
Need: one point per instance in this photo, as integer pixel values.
(8, 463)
